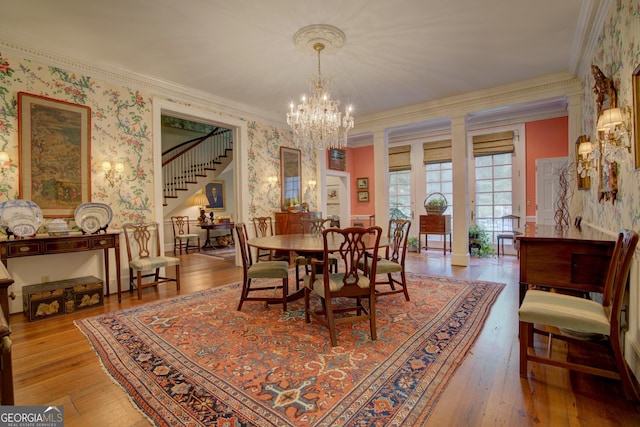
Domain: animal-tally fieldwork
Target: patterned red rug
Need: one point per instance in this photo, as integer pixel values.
(195, 360)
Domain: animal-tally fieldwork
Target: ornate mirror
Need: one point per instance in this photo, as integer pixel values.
(290, 177)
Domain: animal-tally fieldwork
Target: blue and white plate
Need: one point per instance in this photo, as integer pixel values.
(93, 216)
(21, 217)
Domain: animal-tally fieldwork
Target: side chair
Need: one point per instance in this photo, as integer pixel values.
(312, 227)
(143, 251)
(392, 263)
(356, 290)
(182, 235)
(263, 227)
(573, 319)
(261, 270)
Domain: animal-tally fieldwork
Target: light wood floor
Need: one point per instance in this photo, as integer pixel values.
(55, 365)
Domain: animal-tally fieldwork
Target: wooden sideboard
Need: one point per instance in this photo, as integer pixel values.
(575, 260)
(47, 245)
(435, 224)
(6, 369)
(291, 222)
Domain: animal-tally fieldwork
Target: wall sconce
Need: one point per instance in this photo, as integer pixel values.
(312, 184)
(4, 162)
(112, 172)
(586, 159)
(613, 133)
(272, 181)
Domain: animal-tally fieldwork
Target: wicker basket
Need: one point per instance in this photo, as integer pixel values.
(435, 210)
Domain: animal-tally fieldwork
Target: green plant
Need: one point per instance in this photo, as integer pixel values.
(436, 201)
(480, 242)
(412, 244)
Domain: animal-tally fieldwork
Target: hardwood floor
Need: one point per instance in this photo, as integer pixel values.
(55, 365)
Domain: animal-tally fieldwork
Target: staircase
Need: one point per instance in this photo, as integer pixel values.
(189, 166)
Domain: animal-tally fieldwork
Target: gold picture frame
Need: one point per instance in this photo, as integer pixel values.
(215, 195)
(363, 183)
(337, 159)
(363, 196)
(54, 140)
(635, 80)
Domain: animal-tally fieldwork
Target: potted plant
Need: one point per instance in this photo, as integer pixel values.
(412, 244)
(479, 242)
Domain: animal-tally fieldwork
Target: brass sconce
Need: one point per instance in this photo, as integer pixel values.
(312, 184)
(272, 182)
(4, 162)
(112, 171)
(613, 133)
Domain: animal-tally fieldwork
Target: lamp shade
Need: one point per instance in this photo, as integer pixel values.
(585, 147)
(609, 118)
(201, 200)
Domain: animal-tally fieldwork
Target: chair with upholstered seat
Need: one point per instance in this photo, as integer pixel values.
(261, 270)
(510, 225)
(143, 250)
(572, 319)
(182, 235)
(312, 227)
(263, 227)
(350, 284)
(392, 263)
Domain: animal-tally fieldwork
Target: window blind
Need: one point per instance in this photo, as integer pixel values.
(493, 143)
(400, 158)
(437, 152)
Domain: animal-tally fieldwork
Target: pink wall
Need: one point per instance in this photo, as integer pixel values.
(545, 139)
(359, 164)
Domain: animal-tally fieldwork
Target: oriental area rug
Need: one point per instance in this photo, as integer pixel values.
(194, 360)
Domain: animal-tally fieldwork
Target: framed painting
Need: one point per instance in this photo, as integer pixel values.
(54, 139)
(337, 159)
(363, 196)
(363, 183)
(333, 194)
(215, 195)
(635, 80)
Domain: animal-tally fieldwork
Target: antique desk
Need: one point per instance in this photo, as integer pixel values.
(215, 226)
(48, 245)
(435, 224)
(573, 259)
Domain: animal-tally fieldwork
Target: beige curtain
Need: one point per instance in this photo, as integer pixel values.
(400, 158)
(493, 143)
(437, 152)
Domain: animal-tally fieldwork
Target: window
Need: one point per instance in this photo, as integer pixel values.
(494, 191)
(400, 194)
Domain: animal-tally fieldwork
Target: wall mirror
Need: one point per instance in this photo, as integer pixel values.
(290, 177)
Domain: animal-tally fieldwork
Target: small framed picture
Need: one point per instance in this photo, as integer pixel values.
(337, 159)
(363, 196)
(363, 183)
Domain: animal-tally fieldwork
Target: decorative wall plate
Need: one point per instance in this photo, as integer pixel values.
(20, 217)
(93, 217)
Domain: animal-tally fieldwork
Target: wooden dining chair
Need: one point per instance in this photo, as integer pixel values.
(573, 319)
(312, 227)
(510, 225)
(182, 235)
(261, 270)
(356, 291)
(143, 251)
(263, 227)
(391, 264)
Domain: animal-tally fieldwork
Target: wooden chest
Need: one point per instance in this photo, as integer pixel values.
(63, 296)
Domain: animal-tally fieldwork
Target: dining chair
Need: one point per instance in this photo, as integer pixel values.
(583, 323)
(261, 270)
(263, 227)
(350, 284)
(392, 263)
(510, 225)
(312, 227)
(143, 251)
(182, 235)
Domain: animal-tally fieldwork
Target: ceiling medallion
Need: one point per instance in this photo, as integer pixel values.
(317, 122)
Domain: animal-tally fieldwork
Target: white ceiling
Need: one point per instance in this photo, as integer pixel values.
(397, 52)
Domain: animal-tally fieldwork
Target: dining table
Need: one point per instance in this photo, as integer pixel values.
(308, 244)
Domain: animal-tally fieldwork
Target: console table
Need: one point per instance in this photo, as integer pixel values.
(215, 226)
(435, 224)
(573, 259)
(48, 245)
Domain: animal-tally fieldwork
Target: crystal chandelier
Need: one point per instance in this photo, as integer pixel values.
(317, 121)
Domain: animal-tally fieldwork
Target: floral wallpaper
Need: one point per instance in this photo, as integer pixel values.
(617, 54)
(120, 129)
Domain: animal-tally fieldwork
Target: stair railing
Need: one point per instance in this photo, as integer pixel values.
(184, 163)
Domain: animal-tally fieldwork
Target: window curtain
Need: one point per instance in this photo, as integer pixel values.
(436, 152)
(400, 158)
(493, 143)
